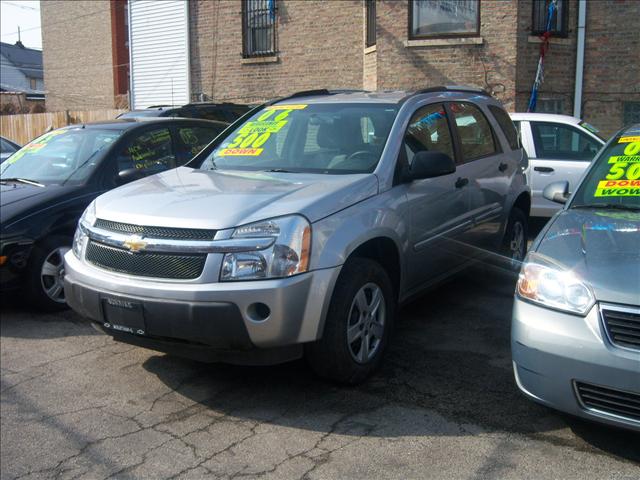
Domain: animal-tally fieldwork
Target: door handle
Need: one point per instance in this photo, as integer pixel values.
(543, 169)
(503, 166)
(461, 182)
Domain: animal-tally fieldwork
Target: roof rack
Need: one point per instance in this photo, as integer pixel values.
(321, 91)
(454, 88)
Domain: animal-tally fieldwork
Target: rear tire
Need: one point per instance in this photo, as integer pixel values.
(45, 274)
(358, 325)
(514, 244)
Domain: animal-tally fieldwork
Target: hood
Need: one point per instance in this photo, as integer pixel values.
(602, 247)
(192, 198)
(18, 200)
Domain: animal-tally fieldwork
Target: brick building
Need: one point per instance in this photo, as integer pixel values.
(250, 50)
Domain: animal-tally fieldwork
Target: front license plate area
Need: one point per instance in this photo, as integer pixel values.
(123, 316)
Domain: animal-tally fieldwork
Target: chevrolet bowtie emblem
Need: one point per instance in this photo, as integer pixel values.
(134, 243)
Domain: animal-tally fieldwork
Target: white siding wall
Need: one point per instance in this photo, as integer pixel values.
(159, 49)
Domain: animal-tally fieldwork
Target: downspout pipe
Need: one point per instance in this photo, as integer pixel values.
(582, 20)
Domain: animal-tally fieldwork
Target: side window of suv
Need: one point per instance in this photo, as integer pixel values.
(474, 130)
(558, 141)
(193, 139)
(150, 151)
(506, 125)
(428, 131)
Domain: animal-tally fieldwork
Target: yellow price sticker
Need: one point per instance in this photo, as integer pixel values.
(618, 188)
(241, 152)
(629, 139)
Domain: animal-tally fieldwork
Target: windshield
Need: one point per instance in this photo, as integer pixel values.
(614, 179)
(319, 138)
(65, 155)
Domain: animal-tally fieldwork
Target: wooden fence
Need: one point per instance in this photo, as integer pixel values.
(24, 128)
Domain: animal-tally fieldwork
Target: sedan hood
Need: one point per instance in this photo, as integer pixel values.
(192, 198)
(602, 247)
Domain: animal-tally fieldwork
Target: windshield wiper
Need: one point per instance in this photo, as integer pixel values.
(616, 206)
(22, 180)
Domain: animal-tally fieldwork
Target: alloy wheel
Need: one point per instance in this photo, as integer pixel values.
(52, 274)
(365, 327)
(517, 245)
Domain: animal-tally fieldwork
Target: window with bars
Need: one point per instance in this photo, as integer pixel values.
(559, 21)
(370, 11)
(631, 112)
(258, 28)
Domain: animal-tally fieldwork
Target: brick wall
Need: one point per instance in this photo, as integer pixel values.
(611, 63)
(490, 64)
(77, 55)
(319, 43)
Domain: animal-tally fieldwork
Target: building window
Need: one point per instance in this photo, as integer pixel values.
(443, 18)
(370, 10)
(550, 105)
(559, 21)
(258, 28)
(631, 112)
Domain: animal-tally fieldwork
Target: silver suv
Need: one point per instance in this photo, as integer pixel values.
(303, 227)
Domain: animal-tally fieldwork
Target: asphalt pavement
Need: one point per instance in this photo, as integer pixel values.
(75, 404)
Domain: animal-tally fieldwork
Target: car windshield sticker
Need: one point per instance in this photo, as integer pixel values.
(629, 140)
(623, 178)
(588, 126)
(34, 146)
(252, 135)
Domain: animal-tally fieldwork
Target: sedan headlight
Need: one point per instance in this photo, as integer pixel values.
(289, 254)
(88, 218)
(543, 282)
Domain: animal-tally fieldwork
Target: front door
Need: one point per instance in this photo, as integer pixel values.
(562, 152)
(436, 205)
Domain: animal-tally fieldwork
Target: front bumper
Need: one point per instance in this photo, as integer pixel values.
(209, 321)
(555, 352)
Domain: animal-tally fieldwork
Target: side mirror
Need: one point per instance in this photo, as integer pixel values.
(557, 192)
(430, 164)
(129, 175)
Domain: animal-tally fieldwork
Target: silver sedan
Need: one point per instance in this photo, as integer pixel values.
(575, 334)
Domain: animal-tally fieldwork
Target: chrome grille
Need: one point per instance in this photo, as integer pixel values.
(158, 265)
(607, 400)
(156, 232)
(623, 327)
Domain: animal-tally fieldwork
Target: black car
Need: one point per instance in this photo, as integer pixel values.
(46, 185)
(224, 112)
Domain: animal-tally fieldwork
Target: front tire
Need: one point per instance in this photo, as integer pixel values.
(358, 325)
(45, 274)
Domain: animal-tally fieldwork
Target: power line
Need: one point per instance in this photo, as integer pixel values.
(24, 7)
(71, 19)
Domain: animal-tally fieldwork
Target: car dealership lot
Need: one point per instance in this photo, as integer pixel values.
(76, 404)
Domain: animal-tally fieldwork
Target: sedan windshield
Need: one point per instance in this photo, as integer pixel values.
(614, 179)
(330, 138)
(60, 156)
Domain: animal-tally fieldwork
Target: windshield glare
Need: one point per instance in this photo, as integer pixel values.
(60, 156)
(318, 138)
(614, 179)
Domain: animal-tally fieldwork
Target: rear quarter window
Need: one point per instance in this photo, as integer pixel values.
(506, 125)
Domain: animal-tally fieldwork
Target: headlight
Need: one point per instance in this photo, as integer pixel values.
(541, 281)
(88, 218)
(289, 255)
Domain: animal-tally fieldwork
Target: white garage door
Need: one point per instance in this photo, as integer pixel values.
(159, 49)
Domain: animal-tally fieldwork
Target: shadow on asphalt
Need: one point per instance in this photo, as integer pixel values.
(449, 360)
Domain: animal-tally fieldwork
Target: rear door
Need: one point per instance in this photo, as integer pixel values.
(562, 152)
(437, 206)
(484, 171)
